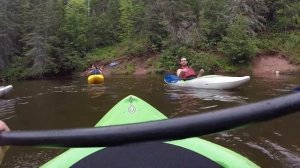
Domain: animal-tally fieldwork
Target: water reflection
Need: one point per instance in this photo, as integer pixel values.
(206, 94)
(219, 95)
(192, 100)
(95, 90)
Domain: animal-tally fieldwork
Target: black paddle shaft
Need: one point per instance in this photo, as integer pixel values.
(169, 129)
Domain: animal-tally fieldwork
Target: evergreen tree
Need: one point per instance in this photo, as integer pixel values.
(39, 24)
(103, 25)
(10, 20)
(253, 10)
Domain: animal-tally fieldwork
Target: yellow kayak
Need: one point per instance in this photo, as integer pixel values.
(95, 79)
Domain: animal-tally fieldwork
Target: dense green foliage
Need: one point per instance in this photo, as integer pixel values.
(54, 37)
(238, 46)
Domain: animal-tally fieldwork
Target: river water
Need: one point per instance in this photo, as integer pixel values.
(71, 103)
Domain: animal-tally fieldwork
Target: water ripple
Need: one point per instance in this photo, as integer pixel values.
(30, 161)
(95, 90)
(287, 156)
(7, 108)
(64, 88)
(275, 151)
(262, 149)
(206, 94)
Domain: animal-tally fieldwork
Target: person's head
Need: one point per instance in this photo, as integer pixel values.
(94, 66)
(183, 61)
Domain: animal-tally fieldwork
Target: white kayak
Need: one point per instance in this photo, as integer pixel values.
(209, 81)
(5, 90)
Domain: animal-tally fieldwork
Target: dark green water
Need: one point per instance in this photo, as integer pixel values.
(71, 103)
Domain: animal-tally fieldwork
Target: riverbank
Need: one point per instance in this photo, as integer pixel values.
(267, 64)
(264, 64)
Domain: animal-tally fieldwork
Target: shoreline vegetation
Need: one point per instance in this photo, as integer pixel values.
(44, 39)
(262, 65)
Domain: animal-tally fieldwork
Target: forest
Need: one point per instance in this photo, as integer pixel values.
(46, 38)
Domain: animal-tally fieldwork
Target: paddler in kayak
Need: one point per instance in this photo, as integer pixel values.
(95, 70)
(185, 72)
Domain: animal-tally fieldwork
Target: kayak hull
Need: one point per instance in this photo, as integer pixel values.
(4, 90)
(214, 82)
(95, 79)
(134, 110)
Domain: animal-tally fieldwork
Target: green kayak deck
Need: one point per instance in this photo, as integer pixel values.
(134, 110)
